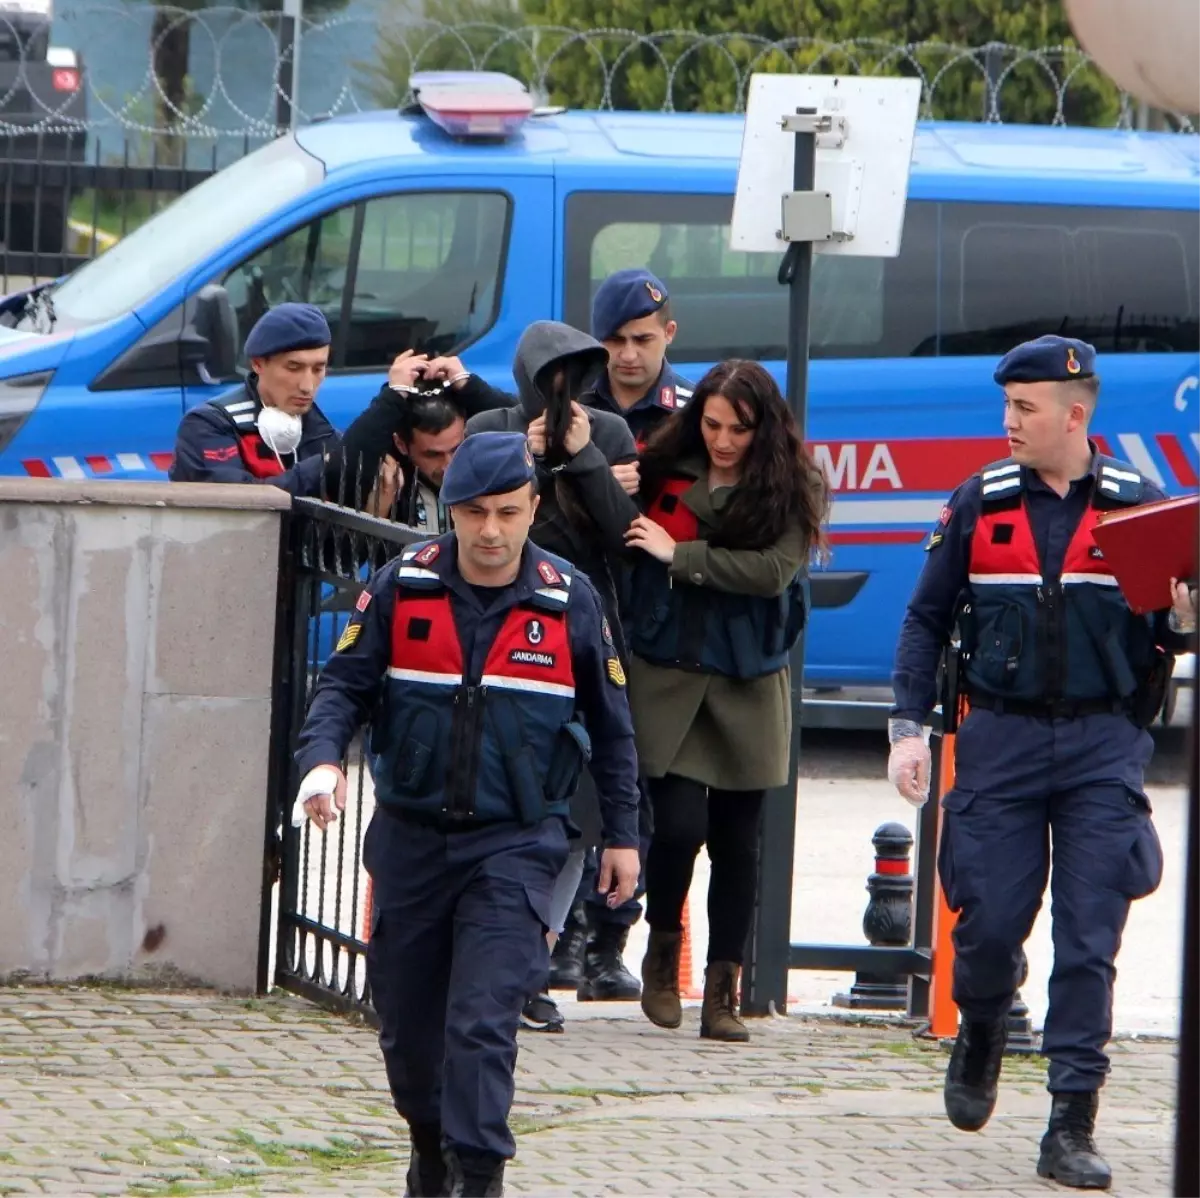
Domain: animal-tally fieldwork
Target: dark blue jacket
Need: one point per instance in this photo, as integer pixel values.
(480, 715)
(669, 393)
(1020, 645)
(700, 628)
(218, 442)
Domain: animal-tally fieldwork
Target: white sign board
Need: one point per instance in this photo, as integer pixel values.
(864, 166)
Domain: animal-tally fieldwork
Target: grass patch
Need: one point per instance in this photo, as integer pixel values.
(600, 1092)
(114, 213)
(7, 1158)
(336, 1156)
(171, 1145)
(205, 1183)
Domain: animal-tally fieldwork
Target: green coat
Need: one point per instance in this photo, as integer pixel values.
(723, 732)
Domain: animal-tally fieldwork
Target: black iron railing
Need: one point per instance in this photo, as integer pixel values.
(329, 553)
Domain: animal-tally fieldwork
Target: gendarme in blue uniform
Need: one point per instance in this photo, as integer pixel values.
(624, 296)
(483, 703)
(219, 441)
(1048, 754)
(665, 396)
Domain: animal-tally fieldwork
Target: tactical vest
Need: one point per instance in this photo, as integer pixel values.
(257, 456)
(1035, 638)
(672, 393)
(462, 750)
(699, 628)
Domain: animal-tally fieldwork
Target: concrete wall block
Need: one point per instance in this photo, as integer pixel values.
(204, 786)
(135, 707)
(35, 547)
(214, 631)
(104, 660)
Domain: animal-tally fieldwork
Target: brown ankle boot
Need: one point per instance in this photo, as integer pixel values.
(718, 1017)
(660, 979)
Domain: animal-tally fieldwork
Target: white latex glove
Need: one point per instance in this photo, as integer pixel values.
(909, 768)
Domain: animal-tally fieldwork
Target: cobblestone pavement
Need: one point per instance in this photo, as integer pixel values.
(116, 1092)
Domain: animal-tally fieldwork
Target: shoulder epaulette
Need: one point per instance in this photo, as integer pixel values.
(1000, 481)
(414, 570)
(555, 574)
(238, 407)
(1118, 482)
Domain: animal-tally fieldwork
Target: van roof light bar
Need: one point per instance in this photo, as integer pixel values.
(472, 105)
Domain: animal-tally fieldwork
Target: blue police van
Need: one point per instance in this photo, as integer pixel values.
(414, 230)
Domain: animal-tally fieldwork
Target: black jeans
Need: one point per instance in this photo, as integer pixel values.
(688, 814)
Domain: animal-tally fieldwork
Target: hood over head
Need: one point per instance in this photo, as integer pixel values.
(546, 346)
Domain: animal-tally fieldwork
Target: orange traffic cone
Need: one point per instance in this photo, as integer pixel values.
(943, 1013)
(687, 979)
(366, 922)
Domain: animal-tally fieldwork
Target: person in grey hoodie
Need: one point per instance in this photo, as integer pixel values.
(584, 510)
(583, 515)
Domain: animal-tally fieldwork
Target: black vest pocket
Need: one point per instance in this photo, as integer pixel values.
(416, 751)
(572, 751)
(999, 643)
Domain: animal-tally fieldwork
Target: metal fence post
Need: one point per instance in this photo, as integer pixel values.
(764, 981)
(291, 34)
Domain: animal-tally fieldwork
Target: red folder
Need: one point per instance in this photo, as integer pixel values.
(1147, 546)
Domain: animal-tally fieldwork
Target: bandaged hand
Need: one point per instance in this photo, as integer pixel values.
(321, 795)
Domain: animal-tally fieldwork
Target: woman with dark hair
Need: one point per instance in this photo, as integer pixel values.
(734, 511)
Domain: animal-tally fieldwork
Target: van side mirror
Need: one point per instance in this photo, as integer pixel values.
(209, 341)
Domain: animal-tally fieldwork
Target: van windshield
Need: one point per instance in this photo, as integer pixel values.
(196, 225)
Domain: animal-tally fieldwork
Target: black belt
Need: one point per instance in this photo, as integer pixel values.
(437, 822)
(1057, 709)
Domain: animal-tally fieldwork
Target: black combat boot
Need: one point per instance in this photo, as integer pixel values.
(566, 962)
(974, 1072)
(605, 978)
(426, 1170)
(473, 1175)
(1069, 1153)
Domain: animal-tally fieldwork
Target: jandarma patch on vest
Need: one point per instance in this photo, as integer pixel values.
(348, 637)
(527, 657)
(616, 673)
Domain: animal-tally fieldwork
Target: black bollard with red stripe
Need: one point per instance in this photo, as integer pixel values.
(887, 921)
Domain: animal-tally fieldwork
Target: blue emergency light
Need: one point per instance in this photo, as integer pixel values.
(472, 104)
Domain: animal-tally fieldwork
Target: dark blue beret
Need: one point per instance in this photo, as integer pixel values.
(286, 327)
(487, 464)
(625, 296)
(1047, 360)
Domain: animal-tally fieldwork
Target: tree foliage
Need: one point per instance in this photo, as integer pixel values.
(980, 59)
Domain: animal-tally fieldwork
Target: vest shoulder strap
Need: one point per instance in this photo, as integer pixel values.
(414, 573)
(556, 574)
(239, 407)
(1001, 483)
(1118, 484)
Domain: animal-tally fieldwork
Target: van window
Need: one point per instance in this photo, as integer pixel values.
(198, 224)
(418, 270)
(309, 265)
(1123, 279)
(729, 303)
(428, 276)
